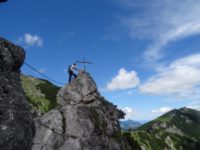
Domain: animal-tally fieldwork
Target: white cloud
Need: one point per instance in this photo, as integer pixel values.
(162, 22)
(191, 60)
(181, 78)
(133, 114)
(196, 107)
(161, 110)
(130, 113)
(31, 40)
(124, 80)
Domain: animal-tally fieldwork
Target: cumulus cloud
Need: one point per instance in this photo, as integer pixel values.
(180, 78)
(161, 110)
(162, 22)
(31, 40)
(123, 80)
(130, 112)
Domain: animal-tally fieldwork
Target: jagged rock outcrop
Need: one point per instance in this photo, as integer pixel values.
(17, 127)
(83, 121)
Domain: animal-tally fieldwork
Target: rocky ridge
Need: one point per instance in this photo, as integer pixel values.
(16, 124)
(84, 120)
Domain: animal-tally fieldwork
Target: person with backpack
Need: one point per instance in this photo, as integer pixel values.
(71, 70)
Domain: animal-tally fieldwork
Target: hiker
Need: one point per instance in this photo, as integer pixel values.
(71, 71)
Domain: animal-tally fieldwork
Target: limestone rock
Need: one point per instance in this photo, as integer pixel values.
(83, 121)
(16, 124)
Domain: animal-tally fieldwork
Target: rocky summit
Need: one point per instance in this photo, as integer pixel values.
(84, 120)
(16, 124)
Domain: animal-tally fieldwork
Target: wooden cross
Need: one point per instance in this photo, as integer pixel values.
(84, 62)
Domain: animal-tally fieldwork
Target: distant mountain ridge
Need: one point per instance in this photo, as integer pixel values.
(175, 130)
(129, 124)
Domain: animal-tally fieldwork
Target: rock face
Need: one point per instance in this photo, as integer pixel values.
(83, 121)
(16, 124)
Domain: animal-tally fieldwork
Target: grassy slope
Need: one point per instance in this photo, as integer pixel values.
(184, 126)
(40, 93)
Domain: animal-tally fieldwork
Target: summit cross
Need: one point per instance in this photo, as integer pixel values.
(84, 62)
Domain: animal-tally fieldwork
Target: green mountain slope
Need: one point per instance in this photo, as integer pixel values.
(40, 93)
(175, 130)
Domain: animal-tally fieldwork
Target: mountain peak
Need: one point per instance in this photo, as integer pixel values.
(83, 120)
(82, 88)
(179, 127)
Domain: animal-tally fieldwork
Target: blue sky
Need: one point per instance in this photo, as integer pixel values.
(146, 53)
